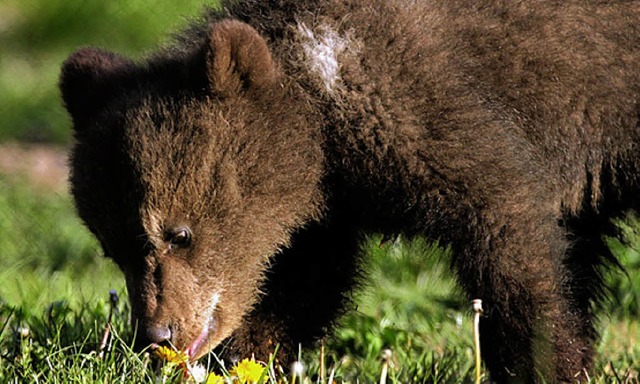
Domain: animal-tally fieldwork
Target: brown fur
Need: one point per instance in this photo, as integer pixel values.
(507, 129)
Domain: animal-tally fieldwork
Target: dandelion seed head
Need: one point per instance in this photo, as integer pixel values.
(297, 368)
(477, 305)
(198, 373)
(23, 331)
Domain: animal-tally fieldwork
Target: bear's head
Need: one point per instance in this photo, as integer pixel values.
(192, 169)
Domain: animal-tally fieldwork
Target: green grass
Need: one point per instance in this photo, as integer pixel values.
(47, 255)
(36, 37)
(54, 308)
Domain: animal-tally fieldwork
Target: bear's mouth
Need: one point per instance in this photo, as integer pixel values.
(194, 350)
(198, 346)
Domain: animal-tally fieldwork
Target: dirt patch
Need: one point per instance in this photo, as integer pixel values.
(41, 165)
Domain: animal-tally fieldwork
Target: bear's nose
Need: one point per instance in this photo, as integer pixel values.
(158, 334)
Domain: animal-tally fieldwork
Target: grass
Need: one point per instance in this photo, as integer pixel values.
(54, 308)
(46, 253)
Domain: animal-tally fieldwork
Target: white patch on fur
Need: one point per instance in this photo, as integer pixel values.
(322, 50)
(208, 327)
(213, 303)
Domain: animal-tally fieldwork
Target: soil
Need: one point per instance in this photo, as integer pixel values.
(42, 166)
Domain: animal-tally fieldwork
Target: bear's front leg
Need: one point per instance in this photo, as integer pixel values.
(306, 289)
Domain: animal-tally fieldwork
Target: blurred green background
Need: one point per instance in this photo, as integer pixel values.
(37, 35)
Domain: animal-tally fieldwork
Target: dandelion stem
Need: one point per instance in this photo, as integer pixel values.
(322, 367)
(383, 374)
(477, 309)
(332, 374)
(113, 302)
(386, 358)
(105, 338)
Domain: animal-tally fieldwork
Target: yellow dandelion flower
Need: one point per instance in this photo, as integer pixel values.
(248, 371)
(212, 378)
(171, 356)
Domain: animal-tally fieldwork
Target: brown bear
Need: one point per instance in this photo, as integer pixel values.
(232, 175)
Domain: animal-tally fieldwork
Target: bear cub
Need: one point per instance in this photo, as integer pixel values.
(233, 174)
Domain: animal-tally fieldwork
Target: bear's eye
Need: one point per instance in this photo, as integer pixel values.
(180, 237)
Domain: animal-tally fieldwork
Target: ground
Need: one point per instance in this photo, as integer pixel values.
(44, 166)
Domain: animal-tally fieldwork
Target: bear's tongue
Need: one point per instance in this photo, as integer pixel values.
(194, 349)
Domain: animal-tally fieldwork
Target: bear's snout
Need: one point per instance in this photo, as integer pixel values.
(153, 335)
(158, 334)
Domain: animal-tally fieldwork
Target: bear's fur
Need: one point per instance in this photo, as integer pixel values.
(232, 175)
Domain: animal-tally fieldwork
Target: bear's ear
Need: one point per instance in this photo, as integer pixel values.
(89, 77)
(238, 59)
